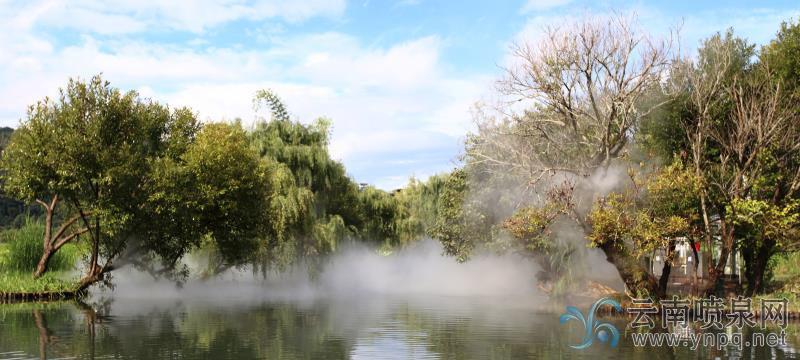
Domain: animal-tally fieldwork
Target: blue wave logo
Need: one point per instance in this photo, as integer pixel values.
(604, 331)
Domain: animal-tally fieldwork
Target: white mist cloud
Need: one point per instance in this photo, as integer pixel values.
(422, 270)
(353, 272)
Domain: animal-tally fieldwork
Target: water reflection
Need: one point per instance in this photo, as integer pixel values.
(333, 328)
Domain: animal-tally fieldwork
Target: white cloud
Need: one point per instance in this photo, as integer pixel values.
(385, 102)
(540, 5)
(757, 25)
(392, 182)
(408, 2)
(131, 16)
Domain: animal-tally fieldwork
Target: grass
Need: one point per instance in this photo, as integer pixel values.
(786, 281)
(24, 248)
(20, 250)
(50, 282)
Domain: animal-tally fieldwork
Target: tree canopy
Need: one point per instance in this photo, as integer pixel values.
(141, 181)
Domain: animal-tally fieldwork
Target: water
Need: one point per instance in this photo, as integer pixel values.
(239, 325)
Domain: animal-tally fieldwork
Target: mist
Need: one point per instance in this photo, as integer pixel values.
(355, 271)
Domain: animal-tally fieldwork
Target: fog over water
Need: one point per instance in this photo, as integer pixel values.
(355, 270)
(359, 273)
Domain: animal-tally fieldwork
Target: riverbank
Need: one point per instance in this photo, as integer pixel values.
(15, 286)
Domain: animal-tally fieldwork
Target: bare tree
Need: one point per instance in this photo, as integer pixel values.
(705, 82)
(588, 84)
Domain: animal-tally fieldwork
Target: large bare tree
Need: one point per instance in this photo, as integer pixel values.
(586, 86)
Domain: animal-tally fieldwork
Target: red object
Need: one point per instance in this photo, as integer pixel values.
(697, 246)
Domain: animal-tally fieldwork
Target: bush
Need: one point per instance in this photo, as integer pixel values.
(24, 249)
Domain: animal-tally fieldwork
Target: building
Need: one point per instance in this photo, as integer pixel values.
(684, 262)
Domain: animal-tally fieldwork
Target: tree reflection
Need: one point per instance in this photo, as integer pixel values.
(326, 329)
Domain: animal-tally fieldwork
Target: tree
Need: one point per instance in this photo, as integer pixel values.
(456, 227)
(783, 56)
(658, 207)
(217, 190)
(739, 130)
(588, 87)
(315, 204)
(418, 205)
(703, 86)
(131, 176)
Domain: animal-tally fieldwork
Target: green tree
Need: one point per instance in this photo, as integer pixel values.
(315, 204)
(737, 125)
(132, 177)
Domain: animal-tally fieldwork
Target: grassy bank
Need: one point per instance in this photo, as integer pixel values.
(20, 249)
(22, 286)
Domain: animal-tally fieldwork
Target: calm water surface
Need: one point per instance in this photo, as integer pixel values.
(356, 327)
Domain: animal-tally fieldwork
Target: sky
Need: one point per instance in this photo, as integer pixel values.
(397, 78)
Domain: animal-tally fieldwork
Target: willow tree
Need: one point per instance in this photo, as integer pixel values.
(315, 205)
(133, 177)
(587, 85)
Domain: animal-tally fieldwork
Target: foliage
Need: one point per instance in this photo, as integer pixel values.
(780, 223)
(530, 226)
(587, 86)
(313, 202)
(314, 205)
(782, 55)
(418, 205)
(216, 189)
(454, 228)
(737, 115)
(651, 219)
(23, 248)
(134, 177)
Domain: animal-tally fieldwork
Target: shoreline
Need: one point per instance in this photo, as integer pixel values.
(33, 297)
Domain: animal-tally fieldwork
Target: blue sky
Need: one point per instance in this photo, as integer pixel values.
(397, 78)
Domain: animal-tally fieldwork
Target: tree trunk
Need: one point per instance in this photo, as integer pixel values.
(94, 275)
(41, 267)
(696, 257)
(663, 281)
(716, 277)
(53, 242)
(756, 282)
(47, 245)
(638, 281)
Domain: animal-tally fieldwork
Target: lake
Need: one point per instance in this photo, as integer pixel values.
(230, 325)
(415, 304)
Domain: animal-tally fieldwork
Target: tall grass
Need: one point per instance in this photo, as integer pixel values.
(23, 249)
